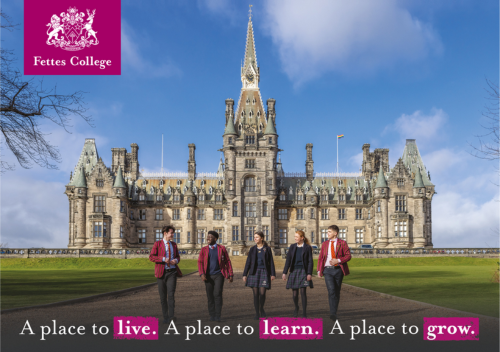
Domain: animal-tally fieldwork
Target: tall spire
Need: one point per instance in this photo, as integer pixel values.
(250, 69)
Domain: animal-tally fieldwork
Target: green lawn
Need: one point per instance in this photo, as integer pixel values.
(453, 282)
(27, 282)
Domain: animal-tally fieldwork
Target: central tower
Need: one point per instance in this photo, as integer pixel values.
(250, 146)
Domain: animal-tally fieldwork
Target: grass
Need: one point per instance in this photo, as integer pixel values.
(461, 283)
(27, 282)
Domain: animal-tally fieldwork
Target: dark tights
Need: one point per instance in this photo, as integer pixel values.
(296, 299)
(259, 298)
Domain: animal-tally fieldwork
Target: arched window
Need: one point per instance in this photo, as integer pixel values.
(250, 184)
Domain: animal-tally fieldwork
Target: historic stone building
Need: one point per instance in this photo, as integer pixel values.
(118, 207)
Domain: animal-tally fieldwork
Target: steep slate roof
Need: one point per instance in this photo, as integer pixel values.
(230, 127)
(418, 180)
(381, 182)
(413, 161)
(172, 183)
(80, 180)
(119, 180)
(270, 129)
(88, 159)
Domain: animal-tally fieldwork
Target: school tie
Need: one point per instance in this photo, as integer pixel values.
(332, 248)
(167, 252)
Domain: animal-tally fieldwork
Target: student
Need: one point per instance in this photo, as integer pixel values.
(332, 264)
(300, 261)
(213, 266)
(260, 270)
(165, 255)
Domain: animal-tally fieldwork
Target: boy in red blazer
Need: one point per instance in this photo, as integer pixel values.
(165, 255)
(332, 264)
(213, 266)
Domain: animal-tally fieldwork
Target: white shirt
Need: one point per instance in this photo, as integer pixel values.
(329, 257)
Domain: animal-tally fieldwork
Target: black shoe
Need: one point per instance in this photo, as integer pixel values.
(333, 317)
(263, 313)
(217, 319)
(296, 313)
(256, 317)
(212, 318)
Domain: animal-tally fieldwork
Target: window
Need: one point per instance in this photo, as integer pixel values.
(313, 213)
(177, 236)
(250, 184)
(141, 235)
(369, 213)
(282, 196)
(131, 215)
(400, 203)
(250, 210)
(324, 197)
(100, 229)
(270, 140)
(141, 196)
(230, 140)
(218, 198)
(265, 209)
(142, 214)
(99, 183)
(201, 197)
(249, 230)
(265, 229)
(324, 235)
(217, 214)
(220, 232)
(341, 197)
(283, 214)
(300, 214)
(177, 198)
(359, 197)
(250, 163)
(401, 182)
(401, 232)
(312, 236)
(159, 198)
(235, 208)
(359, 214)
(176, 214)
(189, 214)
(158, 234)
(159, 214)
(379, 231)
(201, 236)
(378, 206)
(282, 236)
(236, 252)
(342, 233)
(342, 214)
(201, 214)
(249, 139)
(270, 184)
(324, 214)
(300, 197)
(236, 233)
(189, 237)
(230, 184)
(99, 204)
(359, 236)
(121, 231)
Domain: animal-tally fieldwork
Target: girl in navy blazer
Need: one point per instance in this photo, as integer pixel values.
(300, 262)
(259, 271)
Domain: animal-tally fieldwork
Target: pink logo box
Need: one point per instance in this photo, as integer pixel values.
(451, 329)
(291, 329)
(139, 328)
(72, 37)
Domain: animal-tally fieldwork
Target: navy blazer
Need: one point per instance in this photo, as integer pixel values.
(307, 259)
(251, 264)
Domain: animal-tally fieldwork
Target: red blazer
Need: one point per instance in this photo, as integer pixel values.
(342, 252)
(224, 262)
(157, 255)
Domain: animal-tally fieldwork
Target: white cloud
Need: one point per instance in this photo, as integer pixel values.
(346, 36)
(459, 221)
(133, 59)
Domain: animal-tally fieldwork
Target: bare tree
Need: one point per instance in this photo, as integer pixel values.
(489, 142)
(25, 104)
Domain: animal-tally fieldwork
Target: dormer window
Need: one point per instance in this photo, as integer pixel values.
(253, 101)
(202, 183)
(179, 182)
(250, 114)
(357, 183)
(340, 183)
(248, 101)
(161, 183)
(323, 182)
(258, 113)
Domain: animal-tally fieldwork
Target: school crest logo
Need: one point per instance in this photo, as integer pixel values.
(71, 30)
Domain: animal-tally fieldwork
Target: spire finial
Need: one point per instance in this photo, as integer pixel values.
(250, 12)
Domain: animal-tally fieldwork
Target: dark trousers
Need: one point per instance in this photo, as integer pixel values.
(333, 279)
(166, 287)
(214, 286)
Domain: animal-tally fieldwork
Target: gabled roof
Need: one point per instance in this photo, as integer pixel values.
(381, 182)
(413, 161)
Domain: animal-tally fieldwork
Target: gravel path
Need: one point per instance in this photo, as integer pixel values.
(355, 304)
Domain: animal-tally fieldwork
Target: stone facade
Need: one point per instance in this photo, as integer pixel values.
(118, 207)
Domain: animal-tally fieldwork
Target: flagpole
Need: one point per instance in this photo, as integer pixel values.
(337, 154)
(162, 153)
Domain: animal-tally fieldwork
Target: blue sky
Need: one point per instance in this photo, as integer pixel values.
(377, 72)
